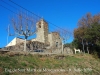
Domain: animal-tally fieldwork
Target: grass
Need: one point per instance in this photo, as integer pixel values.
(49, 65)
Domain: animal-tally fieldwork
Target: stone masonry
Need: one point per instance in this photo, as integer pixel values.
(43, 39)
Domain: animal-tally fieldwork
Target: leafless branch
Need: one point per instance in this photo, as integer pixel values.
(24, 25)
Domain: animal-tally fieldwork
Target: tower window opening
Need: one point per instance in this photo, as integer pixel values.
(39, 26)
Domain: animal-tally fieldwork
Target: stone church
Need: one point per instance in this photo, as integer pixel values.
(50, 40)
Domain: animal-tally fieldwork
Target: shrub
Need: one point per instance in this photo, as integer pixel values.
(23, 64)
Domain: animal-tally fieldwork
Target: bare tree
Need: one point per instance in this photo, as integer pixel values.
(24, 25)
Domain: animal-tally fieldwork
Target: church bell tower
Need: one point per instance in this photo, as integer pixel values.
(42, 31)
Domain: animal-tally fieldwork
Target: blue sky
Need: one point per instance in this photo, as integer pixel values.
(63, 13)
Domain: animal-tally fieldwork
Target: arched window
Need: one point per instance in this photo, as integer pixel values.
(39, 26)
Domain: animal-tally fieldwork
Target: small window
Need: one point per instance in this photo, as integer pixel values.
(39, 26)
(56, 44)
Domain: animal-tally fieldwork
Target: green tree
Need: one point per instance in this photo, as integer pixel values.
(87, 33)
(93, 34)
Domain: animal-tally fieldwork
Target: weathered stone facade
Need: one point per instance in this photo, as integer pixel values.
(54, 39)
(51, 39)
(44, 39)
(42, 31)
(30, 46)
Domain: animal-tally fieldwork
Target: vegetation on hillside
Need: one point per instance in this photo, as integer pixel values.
(78, 64)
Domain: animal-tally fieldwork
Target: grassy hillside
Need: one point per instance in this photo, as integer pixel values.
(49, 65)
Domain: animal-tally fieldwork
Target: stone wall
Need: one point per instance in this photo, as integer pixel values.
(30, 46)
(54, 40)
(68, 51)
